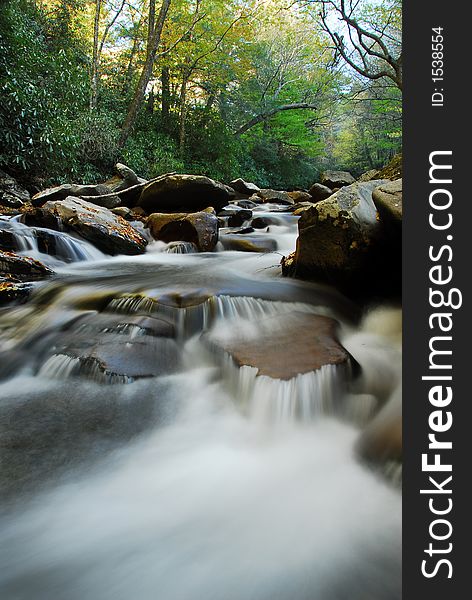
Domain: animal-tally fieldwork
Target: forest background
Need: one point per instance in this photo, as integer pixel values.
(274, 91)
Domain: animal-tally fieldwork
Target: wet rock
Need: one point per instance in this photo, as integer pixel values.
(388, 200)
(109, 233)
(243, 187)
(12, 195)
(126, 184)
(297, 209)
(318, 192)
(13, 291)
(50, 431)
(127, 175)
(100, 194)
(23, 268)
(7, 241)
(338, 240)
(233, 194)
(199, 228)
(336, 179)
(227, 212)
(243, 231)
(117, 324)
(210, 210)
(123, 211)
(276, 196)
(113, 348)
(41, 217)
(10, 201)
(248, 204)
(139, 212)
(261, 222)
(254, 244)
(10, 211)
(239, 217)
(304, 343)
(300, 196)
(183, 193)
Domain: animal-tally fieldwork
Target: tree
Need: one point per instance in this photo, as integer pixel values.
(98, 45)
(155, 28)
(373, 50)
(291, 73)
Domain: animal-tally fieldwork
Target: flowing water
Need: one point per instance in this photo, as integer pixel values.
(138, 461)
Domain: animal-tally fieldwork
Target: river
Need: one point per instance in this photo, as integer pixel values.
(139, 461)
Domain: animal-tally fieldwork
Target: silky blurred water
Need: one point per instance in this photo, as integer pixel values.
(204, 482)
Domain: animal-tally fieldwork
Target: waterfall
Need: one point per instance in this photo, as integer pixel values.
(48, 245)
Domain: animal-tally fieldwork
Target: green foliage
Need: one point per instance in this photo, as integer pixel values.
(271, 163)
(370, 135)
(43, 86)
(234, 69)
(151, 153)
(98, 142)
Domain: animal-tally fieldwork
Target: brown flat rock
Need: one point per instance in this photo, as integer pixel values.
(305, 344)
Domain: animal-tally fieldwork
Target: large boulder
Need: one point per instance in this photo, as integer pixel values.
(100, 193)
(340, 241)
(200, 228)
(303, 343)
(12, 195)
(336, 179)
(388, 200)
(243, 187)
(108, 232)
(318, 192)
(183, 193)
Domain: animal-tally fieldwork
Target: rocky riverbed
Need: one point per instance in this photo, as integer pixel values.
(201, 377)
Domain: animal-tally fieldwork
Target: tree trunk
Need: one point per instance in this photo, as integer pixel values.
(165, 98)
(183, 112)
(154, 38)
(95, 57)
(150, 102)
(129, 70)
